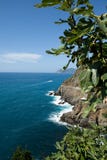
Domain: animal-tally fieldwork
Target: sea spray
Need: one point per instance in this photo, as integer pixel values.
(63, 107)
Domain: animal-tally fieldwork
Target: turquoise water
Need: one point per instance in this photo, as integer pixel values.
(26, 113)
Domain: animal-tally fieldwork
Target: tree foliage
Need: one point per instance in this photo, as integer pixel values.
(82, 144)
(84, 42)
(22, 154)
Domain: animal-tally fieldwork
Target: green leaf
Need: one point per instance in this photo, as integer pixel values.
(104, 46)
(104, 77)
(47, 3)
(82, 157)
(56, 51)
(64, 6)
(85, 80)
(61, 21)
(85, 23)
(58, 146)
(82, 2)
(77, 33)
(82, 11)
(91, 107)
(105, 84)
(95, 77)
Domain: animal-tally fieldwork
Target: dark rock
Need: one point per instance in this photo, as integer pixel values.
(84, 122)
(51, 93)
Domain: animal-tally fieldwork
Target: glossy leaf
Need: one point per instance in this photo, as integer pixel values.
(104, 77)
(85, 80)
(47, 3)
(56, 51)
(82, 11)
(95, 77)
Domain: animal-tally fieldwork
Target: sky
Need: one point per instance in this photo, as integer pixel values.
(27, 32)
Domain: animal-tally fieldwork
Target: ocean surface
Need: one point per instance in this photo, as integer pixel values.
(29, 117)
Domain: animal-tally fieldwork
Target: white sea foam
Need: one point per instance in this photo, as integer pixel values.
(64, 108)
(57, 100)
(41, 83)
(55, 116)
(50, 81)
(50, 93)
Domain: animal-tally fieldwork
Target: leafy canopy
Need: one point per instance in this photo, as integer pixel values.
(21, 154)
(77, 144)
(84, 42)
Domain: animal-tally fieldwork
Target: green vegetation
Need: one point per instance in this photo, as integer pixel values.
(21, 154)
(82, 144)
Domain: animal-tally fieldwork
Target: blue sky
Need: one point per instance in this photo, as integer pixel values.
(26, 32)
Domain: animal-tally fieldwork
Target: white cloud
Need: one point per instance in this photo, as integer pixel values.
(19, 57)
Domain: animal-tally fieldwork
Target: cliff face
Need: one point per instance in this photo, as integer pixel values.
(71, 92)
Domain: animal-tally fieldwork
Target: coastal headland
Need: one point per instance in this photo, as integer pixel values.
(71, 92)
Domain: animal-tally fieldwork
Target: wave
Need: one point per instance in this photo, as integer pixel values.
(58, 101)
(64, 108)
(50, 81)
(50, 93)
(55, 116)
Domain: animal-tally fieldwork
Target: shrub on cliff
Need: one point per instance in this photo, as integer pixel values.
(82, 144)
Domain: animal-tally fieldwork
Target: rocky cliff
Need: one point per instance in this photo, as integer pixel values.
(71, 92)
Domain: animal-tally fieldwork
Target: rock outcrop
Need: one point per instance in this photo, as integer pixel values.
(71, 92)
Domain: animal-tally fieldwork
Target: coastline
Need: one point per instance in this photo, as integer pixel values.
(81, 114)
(63, 106)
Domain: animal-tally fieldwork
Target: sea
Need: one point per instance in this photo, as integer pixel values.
(29, 116)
